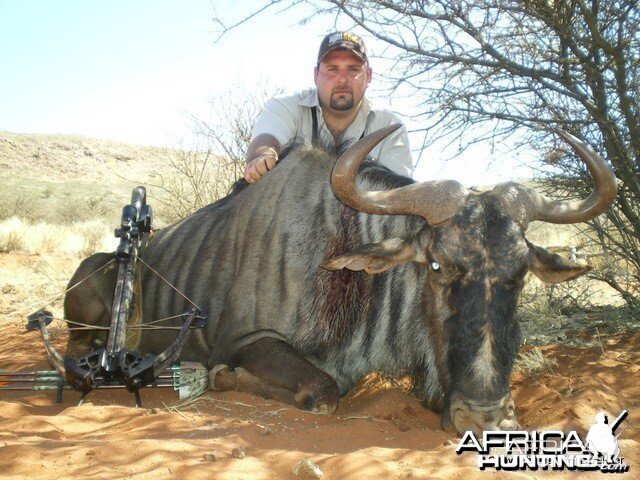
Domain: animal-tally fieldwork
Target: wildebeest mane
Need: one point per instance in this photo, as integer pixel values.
(371, 174)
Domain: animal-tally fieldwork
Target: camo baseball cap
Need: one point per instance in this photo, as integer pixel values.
(347, 40)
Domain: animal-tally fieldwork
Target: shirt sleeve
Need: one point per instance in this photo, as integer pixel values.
(395, 152)
(278, 119)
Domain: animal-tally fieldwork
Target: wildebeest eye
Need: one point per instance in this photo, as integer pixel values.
(435, 266)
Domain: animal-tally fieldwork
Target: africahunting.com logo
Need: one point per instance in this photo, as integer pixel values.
(549, 449)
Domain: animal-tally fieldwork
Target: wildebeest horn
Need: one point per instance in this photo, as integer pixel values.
(435, 201)
(539, 207)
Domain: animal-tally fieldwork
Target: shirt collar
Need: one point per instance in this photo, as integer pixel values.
(309, 98)
(366, 106)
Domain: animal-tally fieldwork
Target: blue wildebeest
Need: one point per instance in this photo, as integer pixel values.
(305, 292)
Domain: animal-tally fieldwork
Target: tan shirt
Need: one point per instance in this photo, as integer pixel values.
(287, 118)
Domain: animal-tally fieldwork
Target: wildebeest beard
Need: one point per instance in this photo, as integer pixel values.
(344, 297)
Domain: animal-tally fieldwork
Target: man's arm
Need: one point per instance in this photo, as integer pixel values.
(262, 155)
(275, 126)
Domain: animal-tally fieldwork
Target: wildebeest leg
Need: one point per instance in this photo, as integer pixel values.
(224, 380)
(90, 303)
(272, 368)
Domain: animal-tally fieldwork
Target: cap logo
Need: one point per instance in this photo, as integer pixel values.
(345, 36)
(351, 38)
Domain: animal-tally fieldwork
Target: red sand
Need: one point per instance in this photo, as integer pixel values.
(377, 432)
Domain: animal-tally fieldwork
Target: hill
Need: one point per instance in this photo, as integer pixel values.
(64, 179)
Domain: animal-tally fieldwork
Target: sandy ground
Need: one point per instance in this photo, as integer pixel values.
(377, 432)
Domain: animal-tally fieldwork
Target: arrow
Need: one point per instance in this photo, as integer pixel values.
(189, 378)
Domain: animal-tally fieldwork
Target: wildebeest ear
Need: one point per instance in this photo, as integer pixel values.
(377, 257)
(552, 268)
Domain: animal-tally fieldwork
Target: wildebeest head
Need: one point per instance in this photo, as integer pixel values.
(475, 248)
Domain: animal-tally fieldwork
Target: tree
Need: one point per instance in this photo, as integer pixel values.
(198, 174)
(501, 67)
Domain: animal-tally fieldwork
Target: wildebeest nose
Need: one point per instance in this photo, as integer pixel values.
(483, 416)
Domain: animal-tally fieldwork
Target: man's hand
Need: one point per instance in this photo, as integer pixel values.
(264, 161)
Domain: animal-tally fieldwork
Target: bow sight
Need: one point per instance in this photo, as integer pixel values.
(114, 364)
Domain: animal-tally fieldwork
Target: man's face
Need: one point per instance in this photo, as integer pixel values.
(341, 78)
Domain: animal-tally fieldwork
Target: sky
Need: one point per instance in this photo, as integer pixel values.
(138, 71)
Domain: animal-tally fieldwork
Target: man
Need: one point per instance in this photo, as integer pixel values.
(335, 111)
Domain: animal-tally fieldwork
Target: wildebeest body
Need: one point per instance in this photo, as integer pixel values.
(253, 265)
(277, 268)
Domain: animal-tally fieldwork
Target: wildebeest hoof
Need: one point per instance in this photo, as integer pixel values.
(315, 402)
(221, 378)
(326, 408)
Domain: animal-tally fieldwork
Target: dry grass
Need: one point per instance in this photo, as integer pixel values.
(29, 282)
(533, 363)
(11, 240)
(80, 239)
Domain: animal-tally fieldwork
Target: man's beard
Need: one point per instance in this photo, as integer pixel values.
(341, 103)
